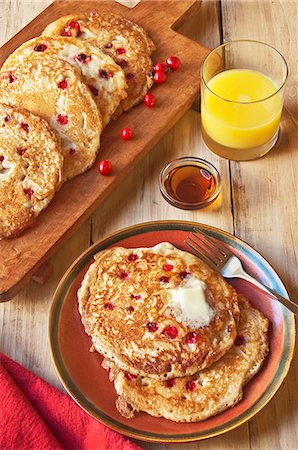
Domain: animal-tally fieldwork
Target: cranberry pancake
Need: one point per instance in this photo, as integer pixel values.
(53, 90)
(157, 311)
(30, 169)
(105, 79)
(126, 42)
(208, 392)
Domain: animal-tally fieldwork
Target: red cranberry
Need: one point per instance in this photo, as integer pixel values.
(130, 309)
(152, 326)
(73, 25)
(132, 257)
(83, 58)
(109, 45)
(164, 279)
(170, 332)
(192, 337)
(62, 120)
(126, 134)
(130, 376)
(168, 267)
(160, 77)
(7, 119)
(109, 306)
(160, 67)
(63, 84)
(239, 340)
(122, 63)
(123, 275)
(40, 48)
(25, 127)
(104, 74)
(94, 90)
(173, 63)
(170, 383)
(21, 150)
(184, 275)
(136, 296)
(29, 192)
(150, 100)
(12, 78)
(129, 76)
(120, 51)
(1, 159)
(66, 32)
(104, 167)
(71, 151)
(190, 385)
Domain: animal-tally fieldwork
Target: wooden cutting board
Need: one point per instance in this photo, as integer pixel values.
(21, 257)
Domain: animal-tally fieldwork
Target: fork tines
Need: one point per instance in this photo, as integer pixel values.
(213, 253)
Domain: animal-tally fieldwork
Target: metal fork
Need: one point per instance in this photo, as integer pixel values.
(217, 256)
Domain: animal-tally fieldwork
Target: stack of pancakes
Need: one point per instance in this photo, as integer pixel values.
(81, 72)
(183, 361)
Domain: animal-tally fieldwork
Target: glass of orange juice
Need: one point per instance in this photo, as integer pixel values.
(242, 91)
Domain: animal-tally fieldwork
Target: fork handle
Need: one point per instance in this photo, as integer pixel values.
(285, 301)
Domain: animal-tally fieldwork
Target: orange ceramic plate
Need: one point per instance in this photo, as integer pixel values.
(81, 373)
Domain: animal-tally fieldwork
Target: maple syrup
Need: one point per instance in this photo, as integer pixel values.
(190, 183)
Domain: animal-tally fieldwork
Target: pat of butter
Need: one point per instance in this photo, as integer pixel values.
(188, 303)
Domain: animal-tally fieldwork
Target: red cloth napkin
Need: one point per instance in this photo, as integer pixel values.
(35, 415)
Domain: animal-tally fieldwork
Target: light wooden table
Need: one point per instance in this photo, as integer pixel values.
(258, 204)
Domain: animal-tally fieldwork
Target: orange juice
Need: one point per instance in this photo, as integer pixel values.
(241, 110)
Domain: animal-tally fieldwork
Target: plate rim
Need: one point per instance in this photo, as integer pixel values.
(112, 423)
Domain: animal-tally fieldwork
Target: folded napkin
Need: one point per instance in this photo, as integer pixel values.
(35, 415)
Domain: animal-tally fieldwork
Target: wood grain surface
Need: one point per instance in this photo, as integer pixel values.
(258, 203)
(78, 198)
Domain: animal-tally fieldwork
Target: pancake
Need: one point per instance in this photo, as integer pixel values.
(209, 392)
(129, 304)
(126, 42)
(38, 84)
(30, 169)
(100, 73)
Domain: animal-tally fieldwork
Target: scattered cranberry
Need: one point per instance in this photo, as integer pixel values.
(170, 332)
(170, 383)
(29, 192)
(120, 51)
(71, 151)
(192, 337)
(168, 267)
(160, 77)
(184, 274)
(190, 385)
(63, 84)
(25, 127)
(12, 78)
(129, 76)
(104, 167)
(126, 134)
(104, 74)
(109, 45)
(164, 279)
(173, 63)
(130, 309)
(130, 376)
(62, 120)
(122, 63)
(150, 100)
(94, 90)
(1, 159)
(83, 58)
(7, 119)
(160, 67)
(109, 306)
(66, 32)
(239, 340)
(123, 275)
(73, 25)
(152, 326)
(136, 296)
(132, 257)
(20, 150)
(40, 47)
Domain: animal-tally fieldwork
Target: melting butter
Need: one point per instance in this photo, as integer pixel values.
(188, 303)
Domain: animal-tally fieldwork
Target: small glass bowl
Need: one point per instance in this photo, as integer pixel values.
(189, 161)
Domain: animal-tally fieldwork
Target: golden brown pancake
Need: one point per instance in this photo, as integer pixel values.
(30, 169)
(158, 311)
(210, 391)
